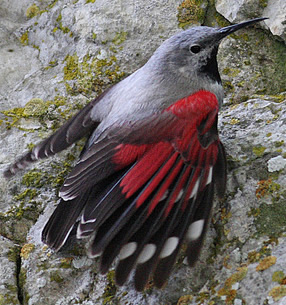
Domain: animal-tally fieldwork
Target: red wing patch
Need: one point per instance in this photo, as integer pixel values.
(159, 165)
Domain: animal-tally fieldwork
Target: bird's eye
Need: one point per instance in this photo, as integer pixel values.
(195, 49)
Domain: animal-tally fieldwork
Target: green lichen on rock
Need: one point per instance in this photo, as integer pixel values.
(60, 26)
(66, 263)
(9, 298)
(259, 150)
(33, 178)
(32, 11)
(263, 3)
(40, 111)
(191, 12)
(91, 75)
(119, 38)
(232, 72)
(13, 254)
(35, 107)
(278, 292)
(71, 68)
(271, 220)
(272, 76)
(227, 290)
(24, 39)
(279, 277)
(110, 289)
(27, 194)
(56, 277)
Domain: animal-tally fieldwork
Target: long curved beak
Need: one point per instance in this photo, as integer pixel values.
(233, 28)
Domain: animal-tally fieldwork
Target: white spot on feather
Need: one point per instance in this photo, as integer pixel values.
(84, 221)
(195, 229)
(169, 246)
(195, 189)
(127, 250)
(92, 255)
(66, 197)
(164, 195)
(147, 252)
(210, 176)
(80, 234)
(179, 195)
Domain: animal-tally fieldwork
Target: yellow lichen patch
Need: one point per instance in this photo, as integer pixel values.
(225, 262)
(191, 12)
(71, 68)
(28, 194)
(24, 38)
(229, 293)
(277, 292)
(266, 187)
(266, 263)
(185, 299)
(119, 38)
(110, 289)
(259, 150)
(234, 121)
(45, 248)
(66, 262)
(35, 107)
(91, 74)
(234, 106)
(253, 256)
(279, 277)
(26, 250)
(236, 277)
(32, 11)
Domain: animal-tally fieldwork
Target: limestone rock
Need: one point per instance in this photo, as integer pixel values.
(275, 11)
(8, 271)
(237, 11)
(62, 54)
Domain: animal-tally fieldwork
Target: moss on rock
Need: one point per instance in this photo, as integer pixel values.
(32, 11)
(91, 75)
(191, 12)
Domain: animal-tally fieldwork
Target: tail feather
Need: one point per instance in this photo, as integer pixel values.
(73, 130)
(198, 226)
(220, 171)
(60, 224)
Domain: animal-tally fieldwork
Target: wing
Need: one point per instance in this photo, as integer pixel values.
(74, 129)
(144, 188)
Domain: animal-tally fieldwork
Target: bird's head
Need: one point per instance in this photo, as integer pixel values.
(193, 52)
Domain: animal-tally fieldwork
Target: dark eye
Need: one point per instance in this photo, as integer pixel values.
(195, 49)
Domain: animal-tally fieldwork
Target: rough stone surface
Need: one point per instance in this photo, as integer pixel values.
(240, 10)
(8, 271)
(275, 11)
(55, 56)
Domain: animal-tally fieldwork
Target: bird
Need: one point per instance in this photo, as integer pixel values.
(145, 180)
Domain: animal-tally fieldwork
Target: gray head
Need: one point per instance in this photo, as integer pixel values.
(193, 52)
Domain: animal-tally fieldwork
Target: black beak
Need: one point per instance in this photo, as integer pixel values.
(232, 28)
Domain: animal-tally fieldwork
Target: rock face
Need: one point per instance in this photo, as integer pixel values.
(237, 11)
(55, 56)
